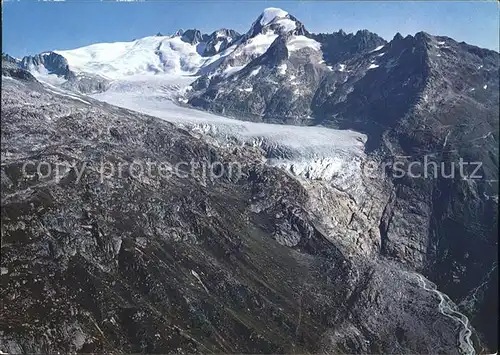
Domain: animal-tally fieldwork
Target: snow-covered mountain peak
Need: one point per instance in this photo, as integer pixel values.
(276, 21)
(270, 14)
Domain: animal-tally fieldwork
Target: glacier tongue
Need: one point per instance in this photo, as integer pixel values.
(343, 172)
(316, 153)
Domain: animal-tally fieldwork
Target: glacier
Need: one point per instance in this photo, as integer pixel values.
(308, 152)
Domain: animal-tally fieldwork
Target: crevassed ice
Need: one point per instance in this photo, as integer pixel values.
(308, 152)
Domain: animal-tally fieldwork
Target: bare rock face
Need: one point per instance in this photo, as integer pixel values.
(192, 36)
(52, 62)
(219, 41)
(339, 46)
(244, 263)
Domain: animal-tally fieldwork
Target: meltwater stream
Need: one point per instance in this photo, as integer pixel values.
(446, 308)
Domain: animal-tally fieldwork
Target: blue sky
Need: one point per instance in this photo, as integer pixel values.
(31, 27)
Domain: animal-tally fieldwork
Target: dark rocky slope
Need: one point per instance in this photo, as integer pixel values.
(178, 265)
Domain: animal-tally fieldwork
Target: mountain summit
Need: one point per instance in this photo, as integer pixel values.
(271, 14)
(277, 21)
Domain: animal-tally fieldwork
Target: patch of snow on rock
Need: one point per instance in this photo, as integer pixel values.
(255, 71)
(231, 70)
(217, 46)
(378, 48)
(299, 42)
(282, 69)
